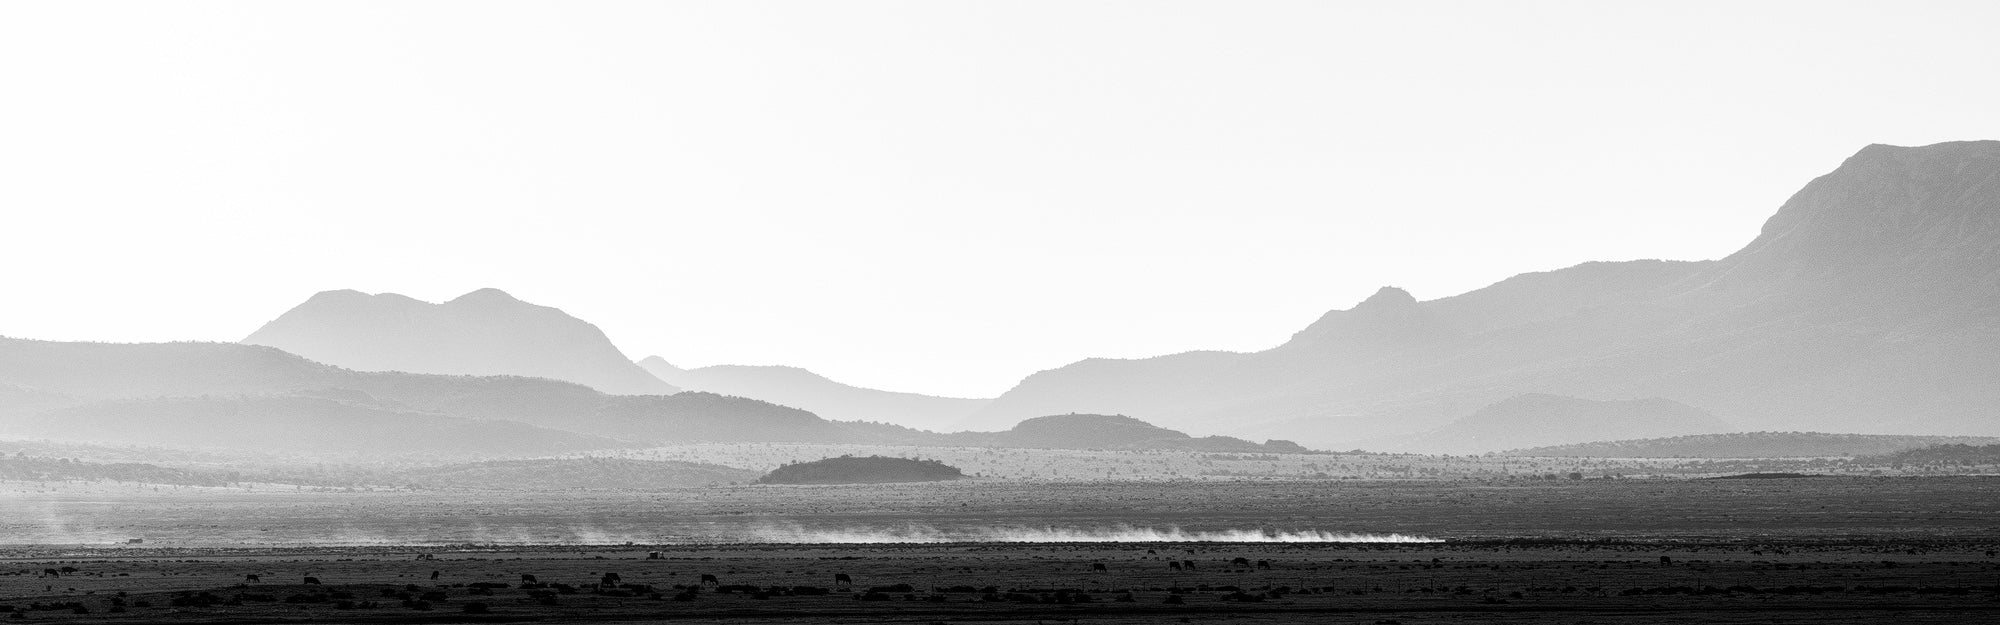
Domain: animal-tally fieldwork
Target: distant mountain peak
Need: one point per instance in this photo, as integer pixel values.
(485, 332)
(488, 295)
(1388, 297)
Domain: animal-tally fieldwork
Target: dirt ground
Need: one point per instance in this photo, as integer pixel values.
(1906, 550)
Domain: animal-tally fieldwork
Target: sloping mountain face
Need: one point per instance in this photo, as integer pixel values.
(792, 386)
(252, 398)
(485, 332)
(1538, 420)
(1869, 303)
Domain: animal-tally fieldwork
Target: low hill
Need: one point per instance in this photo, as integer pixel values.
(1539, 419)
(1094, 431)
(305, 426)
(1751, 445)
(485, 332)
(799, 388)
(572, 474)
(862, 470)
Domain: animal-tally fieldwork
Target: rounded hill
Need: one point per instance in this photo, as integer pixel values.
(862, 470)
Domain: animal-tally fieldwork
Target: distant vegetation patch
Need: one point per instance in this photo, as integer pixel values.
(862, 470)
(1762, 476)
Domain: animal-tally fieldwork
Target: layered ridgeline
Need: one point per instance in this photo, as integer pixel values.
(252, 398)
(244, 398)
(485, 332)
(792, 386)
(1870, 303)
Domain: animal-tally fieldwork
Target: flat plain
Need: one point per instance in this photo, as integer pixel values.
(1829, 550)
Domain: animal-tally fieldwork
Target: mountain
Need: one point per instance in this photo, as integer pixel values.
(1095, 431)
(1538, 419)
(1753, 445)
(792, 386)
(253, 398)
(485, 332)
(1869, 303)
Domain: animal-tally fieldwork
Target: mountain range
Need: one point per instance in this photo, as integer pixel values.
(1869, 303)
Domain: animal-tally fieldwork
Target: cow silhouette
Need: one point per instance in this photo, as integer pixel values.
(842, 580)
(1099, 567)
(252, 578)
(437, 574)
(1173, 565)
(1264, 564)
(1187, 564)
(710, 580)
(312, 580)
(1242, 562)
(529, 579)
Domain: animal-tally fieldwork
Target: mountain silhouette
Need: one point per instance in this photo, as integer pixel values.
(792, 386)
(1869, 303)
(485, 332)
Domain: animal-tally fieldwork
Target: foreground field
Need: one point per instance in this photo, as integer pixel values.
(1601, 551)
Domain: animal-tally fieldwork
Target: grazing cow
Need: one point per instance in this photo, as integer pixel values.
(437, 574)
(1173, 565)
(51, 573)
(612, 579)
(842, 580)
(1242, 562)
(1264, 564)
(529, 579)
(710, 580)
(252, 579)
(1666, 560)
(654, 555)
(1099, 567)
(313, 581)
(1187, 564)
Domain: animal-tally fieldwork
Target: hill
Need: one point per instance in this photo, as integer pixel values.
(485, 332)
(1870, 302)
(260, 399)
(1089, 431)
(1750, 445)
(1543, 419)
(298, 426)
(799, 388)
(867, 470)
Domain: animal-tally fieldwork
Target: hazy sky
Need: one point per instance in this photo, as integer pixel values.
(929, 196)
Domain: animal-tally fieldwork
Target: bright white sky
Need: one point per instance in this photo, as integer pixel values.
(929, 196)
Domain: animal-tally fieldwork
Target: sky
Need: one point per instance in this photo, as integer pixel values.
(933, 196)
